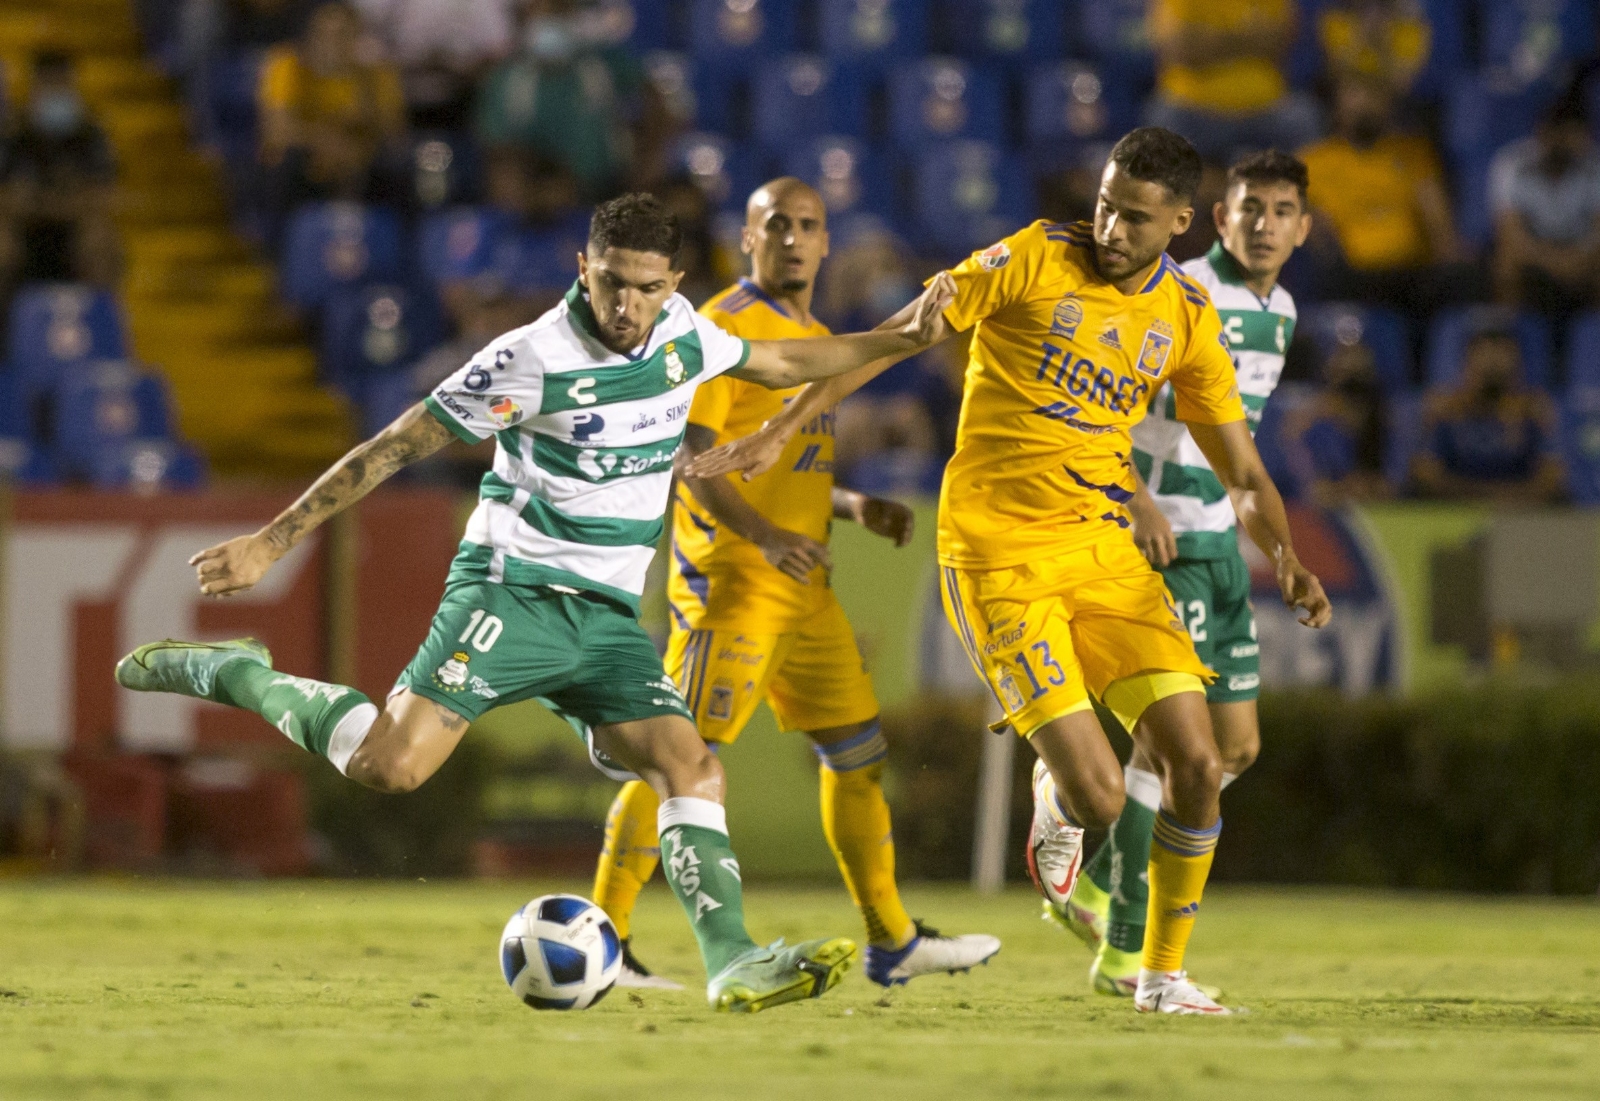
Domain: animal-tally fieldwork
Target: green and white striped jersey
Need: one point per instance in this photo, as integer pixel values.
(1181, 481)
(585, 440)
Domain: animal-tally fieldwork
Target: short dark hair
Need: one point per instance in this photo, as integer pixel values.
(1270, 166)
(637, 221)
(1158, 155)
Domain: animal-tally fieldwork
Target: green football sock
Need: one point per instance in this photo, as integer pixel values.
(306, 710)
(703, 872)
(1129, 846)
(1098, 870)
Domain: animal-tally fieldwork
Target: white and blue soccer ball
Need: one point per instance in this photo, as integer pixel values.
(560, 952)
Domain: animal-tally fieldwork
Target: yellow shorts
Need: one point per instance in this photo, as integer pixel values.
(814, 678)
(1047, 634)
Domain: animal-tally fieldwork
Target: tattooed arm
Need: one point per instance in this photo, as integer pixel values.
(238, 564)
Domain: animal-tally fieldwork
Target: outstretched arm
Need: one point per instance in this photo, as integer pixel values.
(779, 364)
(755, 454)
(238, 564)
(1232, 454)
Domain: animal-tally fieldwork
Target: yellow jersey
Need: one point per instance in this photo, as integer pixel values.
(1062, 366)
(716, 578)
(1240, 85)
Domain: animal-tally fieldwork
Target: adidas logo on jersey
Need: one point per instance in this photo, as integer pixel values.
(1110, 340)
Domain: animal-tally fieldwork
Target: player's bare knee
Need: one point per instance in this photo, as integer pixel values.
(1196, 772)
(393, 773)
(1238, 758)
(1095, 801)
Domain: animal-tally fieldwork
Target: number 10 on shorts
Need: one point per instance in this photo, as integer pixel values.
(483, 630)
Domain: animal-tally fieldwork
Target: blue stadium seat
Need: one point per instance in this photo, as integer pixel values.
(1583, 352)
(725, 172)
(1405, 437)
(56, 324)
(146, 465)
(445, 169)
(804, 96)
(459, 243)
(335, 245)
(102, 402)
(385, 397)
(1115, 34)
(741, 34)
(969, 194)
(1451, 329)
(222, 98)
(1482, 115)
(1534, 39)
(1447, 53)
(847, 173)
(940, 98)
(545, 257)
(375, 330)
(1008, 30)
(676, 79)
(873, 33)
(1069, 106)
(652, 26)
(1332, 324)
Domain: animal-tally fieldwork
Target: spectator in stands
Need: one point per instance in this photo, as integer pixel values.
(1490, 437)
(332, 119)
(443, 48)
(1545, 194)
(209, 28)
(56, 186)
(1384, 231)
(573, 97)
(1388, 40)
(532, 259)
(1335, 442)
(1221, 82)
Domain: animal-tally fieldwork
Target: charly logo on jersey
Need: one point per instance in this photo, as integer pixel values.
(505, 412)
(1067, 317)
(586, 426)
(994, 257)
(676, 371)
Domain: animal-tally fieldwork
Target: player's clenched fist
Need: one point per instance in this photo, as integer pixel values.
(233, 566)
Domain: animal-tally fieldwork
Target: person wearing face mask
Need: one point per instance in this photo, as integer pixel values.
(1545, 194)
(1335, 443)
(1385, 231)
(56, 174)
(570, 95)
(1489, 437)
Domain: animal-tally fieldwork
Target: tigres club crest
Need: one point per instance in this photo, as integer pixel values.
(1153, 356)
(676, 372)
(1067, 317)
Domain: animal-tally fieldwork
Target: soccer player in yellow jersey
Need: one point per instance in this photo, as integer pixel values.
(754, 616)
(1074, 329)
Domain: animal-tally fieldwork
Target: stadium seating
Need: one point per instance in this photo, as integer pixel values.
(57, 324)
(1404, 437)
(459, 243)
(1070, 105)
(375, 330)
(1451, 329)
(873, 34)
(222, 102)
(847, 173)
(99, 402)
(1447, 47)
(334, 245)
(445, 170)
(1332, 324)
(804, 96)
(725, 172)
(1580, 410)
(1009, 30)
(739, 35)
(1114, 33)
(940, 98)
(1532, 40)
(1483, 113)
(969, 194)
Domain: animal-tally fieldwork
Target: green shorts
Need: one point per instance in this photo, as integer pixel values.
(1213, 598)
(580, 654)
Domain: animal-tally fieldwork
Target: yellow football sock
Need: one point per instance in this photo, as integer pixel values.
(855, 819)
(630, 854)
(1180, 861)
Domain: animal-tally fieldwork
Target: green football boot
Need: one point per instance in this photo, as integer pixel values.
(765, 977)
(187, 668)
(1115, 973)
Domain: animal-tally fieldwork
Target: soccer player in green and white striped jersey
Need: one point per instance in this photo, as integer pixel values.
(1184, 523)
(588, 407)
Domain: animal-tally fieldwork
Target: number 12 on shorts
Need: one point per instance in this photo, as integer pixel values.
(488, 628)
(1055, 675)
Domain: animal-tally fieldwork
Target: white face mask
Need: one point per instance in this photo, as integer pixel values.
(56, 113)
(551, 38)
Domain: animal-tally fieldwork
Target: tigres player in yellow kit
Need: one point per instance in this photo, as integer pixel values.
(754, 616)
(1075, 329)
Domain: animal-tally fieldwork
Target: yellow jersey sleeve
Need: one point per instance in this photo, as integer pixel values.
(1204, 383)
(999, 276)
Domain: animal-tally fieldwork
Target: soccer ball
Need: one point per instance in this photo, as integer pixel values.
(560, 952)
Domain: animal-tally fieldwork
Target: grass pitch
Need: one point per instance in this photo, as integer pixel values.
(115, 989)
